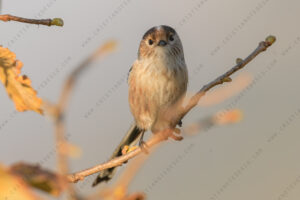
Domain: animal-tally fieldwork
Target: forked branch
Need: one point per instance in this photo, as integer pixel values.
(169, 133)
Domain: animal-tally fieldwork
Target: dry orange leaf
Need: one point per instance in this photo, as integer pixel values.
(18, 87)
(13, 187)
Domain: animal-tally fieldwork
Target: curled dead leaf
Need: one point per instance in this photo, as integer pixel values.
(18, 87)
(39, 178)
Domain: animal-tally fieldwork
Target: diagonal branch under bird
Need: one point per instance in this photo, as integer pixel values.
(165, 134)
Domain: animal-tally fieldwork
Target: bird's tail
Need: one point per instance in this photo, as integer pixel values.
(131, 138)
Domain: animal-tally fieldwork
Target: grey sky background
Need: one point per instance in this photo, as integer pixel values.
(257, 158)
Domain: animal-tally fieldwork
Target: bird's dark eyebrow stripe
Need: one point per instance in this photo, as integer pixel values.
(149, 32)
(153, 29)
(168, 29)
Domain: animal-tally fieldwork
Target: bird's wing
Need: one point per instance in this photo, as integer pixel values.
(129, 73)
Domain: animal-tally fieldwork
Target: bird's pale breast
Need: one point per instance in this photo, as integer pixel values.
(155, 87)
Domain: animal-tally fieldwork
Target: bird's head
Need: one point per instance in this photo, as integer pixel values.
(160, 41)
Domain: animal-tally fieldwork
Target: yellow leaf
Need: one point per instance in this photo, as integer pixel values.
(126, 149)
(13, 188)
(18, 87)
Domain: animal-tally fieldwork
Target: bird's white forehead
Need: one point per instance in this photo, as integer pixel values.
(158, 28)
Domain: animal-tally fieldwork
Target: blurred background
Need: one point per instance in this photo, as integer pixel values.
(257, 158)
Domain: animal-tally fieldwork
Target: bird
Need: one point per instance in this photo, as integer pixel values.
(157, 83)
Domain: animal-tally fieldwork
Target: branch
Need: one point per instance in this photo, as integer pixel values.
(159, 137)
(60, 108)
(226, 76)
(46, 22)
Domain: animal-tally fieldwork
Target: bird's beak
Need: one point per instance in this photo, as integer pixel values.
(162, 43)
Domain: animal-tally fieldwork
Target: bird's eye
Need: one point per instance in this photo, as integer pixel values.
(171, 38)
(150, 42)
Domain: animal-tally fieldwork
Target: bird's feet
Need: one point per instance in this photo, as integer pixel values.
(176, 136)
(126, 149)
(180, 123)
(171, 133)
(142, 144)
(144, 147)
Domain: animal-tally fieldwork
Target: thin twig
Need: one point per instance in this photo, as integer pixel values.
(46, 22)
(62, 157)
(60, 114)
(192, 103)
(226, 76)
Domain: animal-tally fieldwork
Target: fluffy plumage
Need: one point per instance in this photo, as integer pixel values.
(158, 79)
(157, 85)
